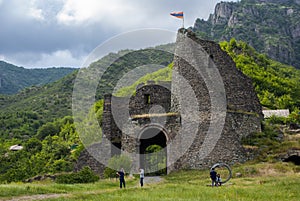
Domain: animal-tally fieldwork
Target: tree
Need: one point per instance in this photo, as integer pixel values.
(48, 129)
(33, 146)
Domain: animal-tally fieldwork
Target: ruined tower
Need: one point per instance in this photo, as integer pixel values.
(226, 103)
(198, 119)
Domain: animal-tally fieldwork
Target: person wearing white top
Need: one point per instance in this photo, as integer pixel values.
(142, 177)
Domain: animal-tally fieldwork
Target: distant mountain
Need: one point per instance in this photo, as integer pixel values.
(270, 26)
(13, 78)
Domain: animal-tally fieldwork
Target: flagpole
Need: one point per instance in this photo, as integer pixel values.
(183, 22)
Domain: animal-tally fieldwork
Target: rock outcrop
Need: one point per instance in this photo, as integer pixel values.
(270, 26)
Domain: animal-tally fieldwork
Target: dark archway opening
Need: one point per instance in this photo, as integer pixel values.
(153, 156)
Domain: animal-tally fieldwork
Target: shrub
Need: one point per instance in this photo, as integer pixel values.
(61, 165)
(86, 175)
(109, 173)
(276, 120)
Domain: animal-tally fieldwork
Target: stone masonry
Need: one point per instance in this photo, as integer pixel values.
(199, 119)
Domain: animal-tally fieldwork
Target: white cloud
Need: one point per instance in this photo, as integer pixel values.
(2, 57)
(59, 58)
(36, 14)
(125, 15)
(91, 11)
(72, 28)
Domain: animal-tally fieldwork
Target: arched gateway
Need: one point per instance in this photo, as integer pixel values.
(150, 121)
(153, 150)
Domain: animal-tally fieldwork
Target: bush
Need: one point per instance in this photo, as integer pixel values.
(276, 120)
(61, 165)
(109, 173)
(86, 175)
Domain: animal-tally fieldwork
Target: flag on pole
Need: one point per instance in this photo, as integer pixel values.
(177, 14)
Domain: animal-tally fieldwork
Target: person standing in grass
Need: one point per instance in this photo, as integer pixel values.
(121, 175)
(213, 177)
(142, 177)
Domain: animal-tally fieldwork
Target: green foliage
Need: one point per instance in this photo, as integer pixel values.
(86, 175)
(14, 167)
(156, 160)
(269, 136)
(294, 117)
(276, 84)
(153, 148)
(164, 74)
(125, 62)
(272, 142)
(276, 120)
(52, 154)
(109, 173)
(98, 109)
(48, 129)
(33, 146)
(21, 115)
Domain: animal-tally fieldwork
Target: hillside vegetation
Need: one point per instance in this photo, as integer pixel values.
(276, 84)
(21, 115)
(13, 79)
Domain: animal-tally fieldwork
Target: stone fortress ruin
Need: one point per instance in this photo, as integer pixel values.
(198, 119)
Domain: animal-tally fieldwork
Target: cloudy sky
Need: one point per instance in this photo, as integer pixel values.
(46, 33)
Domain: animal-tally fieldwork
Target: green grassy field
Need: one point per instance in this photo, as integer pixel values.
(263, 181)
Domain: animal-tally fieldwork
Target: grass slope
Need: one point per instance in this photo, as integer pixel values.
(264, 181)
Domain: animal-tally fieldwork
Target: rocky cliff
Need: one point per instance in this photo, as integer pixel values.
(270, 26)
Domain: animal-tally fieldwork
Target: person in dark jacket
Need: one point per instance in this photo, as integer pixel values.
(121, 175)
(213, 177)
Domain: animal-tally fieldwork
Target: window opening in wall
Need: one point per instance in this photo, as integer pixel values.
(147, 99)
(210, 61)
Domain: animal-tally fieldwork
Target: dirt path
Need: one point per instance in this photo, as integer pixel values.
(147, 180)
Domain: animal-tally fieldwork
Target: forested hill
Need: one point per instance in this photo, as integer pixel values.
(270, 26)
(22, 114)
(13, 78)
